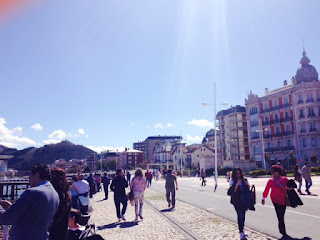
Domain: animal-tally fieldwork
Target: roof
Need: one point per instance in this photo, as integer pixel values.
(133, 151)
(192, 148)
(163, 137)
(235, 109)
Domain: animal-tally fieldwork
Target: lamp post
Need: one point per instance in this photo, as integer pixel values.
(215, 135)
(263, 151)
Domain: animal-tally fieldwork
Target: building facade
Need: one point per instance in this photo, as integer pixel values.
(284, 124)
(130, 159)
(233, 139)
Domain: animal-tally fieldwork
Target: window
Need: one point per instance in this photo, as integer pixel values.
(287, 115)
(304, 142)
(311, 112)
(279, 144)
(313, 142)
(278, 130)
(269, 145)
(266, 119)
(309, 97)
(253, 111)
(288, 128)
(301, 114)
(289, 142)
(276, 117)
(286, 100)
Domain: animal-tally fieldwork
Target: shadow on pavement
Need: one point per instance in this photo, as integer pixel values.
(115, 224)
(291, 238)
(167, 210)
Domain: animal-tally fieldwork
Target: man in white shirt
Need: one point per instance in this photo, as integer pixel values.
(82, 187)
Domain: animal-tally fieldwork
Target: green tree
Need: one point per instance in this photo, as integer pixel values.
(111, 165)
(314, 159)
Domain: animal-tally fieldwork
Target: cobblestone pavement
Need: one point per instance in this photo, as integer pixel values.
(203, 224)
(185, 222)
(153, 225)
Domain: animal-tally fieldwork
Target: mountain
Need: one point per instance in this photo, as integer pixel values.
(25, 159)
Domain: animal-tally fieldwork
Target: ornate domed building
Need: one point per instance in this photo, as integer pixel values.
(307, 72)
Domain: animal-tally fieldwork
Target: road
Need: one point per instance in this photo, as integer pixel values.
(300, 222)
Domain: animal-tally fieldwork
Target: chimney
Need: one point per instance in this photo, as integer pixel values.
(266, 91)
(293, 80)
(285, 83)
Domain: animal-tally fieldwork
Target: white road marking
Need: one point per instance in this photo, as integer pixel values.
(215, 195)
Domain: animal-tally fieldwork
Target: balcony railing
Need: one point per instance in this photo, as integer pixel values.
(277, 134)
(278, 149)
(303, 130)
(311, 115)
(288, 133)
(300, 101)
(275, 108)
(302, 116)
(265, 110)
(276, 121)
(286, 105)
(310, 100)
(268, 136)
(266, 123)
(312, 129)
(286, 119)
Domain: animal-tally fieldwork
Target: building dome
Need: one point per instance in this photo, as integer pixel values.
(307, 72)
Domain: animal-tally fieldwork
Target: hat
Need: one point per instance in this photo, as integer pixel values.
(276, 168)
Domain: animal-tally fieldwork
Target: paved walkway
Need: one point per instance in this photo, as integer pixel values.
(185, 222)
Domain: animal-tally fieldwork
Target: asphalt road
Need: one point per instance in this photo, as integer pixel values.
(301, 222)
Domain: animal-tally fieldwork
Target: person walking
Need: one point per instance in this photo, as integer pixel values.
(203, 176)
(138, 186)
(106, 183)
(171, 187)
(90, 180)
(298, 176)
(59, 227)
(128, 177)
(278, 186)
(239, 187)
(83, 189)
(118, 186)
(306, 173)
(148, 177)
(32, 214)
(97, 181)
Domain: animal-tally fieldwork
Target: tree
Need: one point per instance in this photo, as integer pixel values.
(292, 159)
(314, 159)
(86, 170)
(111, 165)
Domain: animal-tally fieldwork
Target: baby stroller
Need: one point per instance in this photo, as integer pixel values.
(89, 233)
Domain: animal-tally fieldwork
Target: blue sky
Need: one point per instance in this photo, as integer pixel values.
(109, 73)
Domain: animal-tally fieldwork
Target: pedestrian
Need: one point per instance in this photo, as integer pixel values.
(32, 214)
(306, 173)
(90, 180)
(74, 194)
(278, 185)
(128, 177)
(106, 183)
(298, 176)
(83, 189)
(239, 187)
(283, 171)
(171, 187)
(97, 181)
(138, 186)
(59, 227)
(154, 174)
(75, 229)
(203, 176)
(118, 186)
(148, 177)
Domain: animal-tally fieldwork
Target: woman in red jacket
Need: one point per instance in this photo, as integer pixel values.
(278, 185)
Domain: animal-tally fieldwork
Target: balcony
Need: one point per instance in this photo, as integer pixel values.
(303, 130)
(275, 108)
(277, 134)
(286, 105)
(266, 123)
(255, 137)
(288, 133)
(302, 116)
(312, 129)
(268, 150)
(265, 110)
(276, 121)
(310, 100)
(300, 101)
(286, 119)
(311, 115)
(268, 136)
(288, 148)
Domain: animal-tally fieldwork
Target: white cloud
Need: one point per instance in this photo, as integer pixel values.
(81, 131)
(158, 125)
(12, 138)
(106, 148)
(51, 141)
(195, 139)
(58, 134)
(37, 127)
(203, 123)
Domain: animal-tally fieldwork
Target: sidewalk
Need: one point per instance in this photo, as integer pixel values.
(185, 222)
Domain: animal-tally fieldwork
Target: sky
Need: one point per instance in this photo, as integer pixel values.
(105, 74)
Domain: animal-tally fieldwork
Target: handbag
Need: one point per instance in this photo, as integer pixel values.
(253, 193)
(130, 196)
(287, 200)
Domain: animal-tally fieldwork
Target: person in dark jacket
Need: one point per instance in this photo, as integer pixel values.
(295, 200)
(32, 214)
(118, 186)
(92, 185)
(106, 183)
(239, 183)
(59, 226)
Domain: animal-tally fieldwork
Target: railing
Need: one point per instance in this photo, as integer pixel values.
(302, 116)
(12, 190)
(313, 130)
(300, 101)
(288, 133)
(276, 121)
(311, 115)
(310, 100)
(278, 149)
(303, 130)
(265, 110)
(277, 135)
(275, 108)
(287, 119)
(266, 123)
(286, 105)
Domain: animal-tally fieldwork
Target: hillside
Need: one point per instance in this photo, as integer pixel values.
(28, 157)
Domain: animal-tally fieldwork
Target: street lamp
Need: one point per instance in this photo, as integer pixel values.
(263, 152)
(215, 135)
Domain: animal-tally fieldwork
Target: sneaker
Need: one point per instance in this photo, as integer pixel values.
(169, 205)
(123, 218)
(137, 218)
(140, 215)
(119, 219)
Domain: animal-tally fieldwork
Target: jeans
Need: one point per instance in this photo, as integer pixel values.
(149, 182)
(300, 185)
(280, 210)
(117, 201)
(308, 184)
(173, 196)
(74, 202)
(203, 181)
(241, 213)
(106, 190)
(138, 205)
